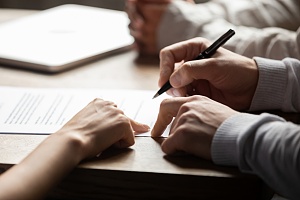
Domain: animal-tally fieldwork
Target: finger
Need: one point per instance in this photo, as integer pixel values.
(168, 110)
(99, 104)
(177, 92)
(144, 41)
(195, 70)
(182, 51)
(128, 136)
(139, 127)
(136, 19)
(134, 16)
(178, 117)
(135, 33)
(169, 146)
(136, 25)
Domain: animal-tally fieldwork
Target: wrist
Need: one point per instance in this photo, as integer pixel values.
(73, 145)
(253, 81)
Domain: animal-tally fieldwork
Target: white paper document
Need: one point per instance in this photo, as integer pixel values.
(45, 110)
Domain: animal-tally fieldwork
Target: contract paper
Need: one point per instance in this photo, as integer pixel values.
(45, 110)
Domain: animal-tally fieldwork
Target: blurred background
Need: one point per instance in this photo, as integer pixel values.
(45, 4)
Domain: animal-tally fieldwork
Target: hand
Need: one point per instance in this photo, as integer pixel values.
(196, 120)
(101, 124)
(226, 77)
(145, 16)
(96, 127)
(144, 20)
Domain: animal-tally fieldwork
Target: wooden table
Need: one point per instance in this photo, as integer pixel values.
(140, 172)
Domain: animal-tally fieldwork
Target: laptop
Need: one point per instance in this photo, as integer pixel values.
(63, 37)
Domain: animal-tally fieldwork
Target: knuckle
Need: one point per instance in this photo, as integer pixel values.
(202, 40)
(122, 120)
(131, 142)
(164, 103)
(110, 103)
(187, 106)
(182, 120)
(97, 100)
(186, 117)
(186, 65)
(121, 112)
(181, 134)
(196, 98)
(206, 41)
(165, 52)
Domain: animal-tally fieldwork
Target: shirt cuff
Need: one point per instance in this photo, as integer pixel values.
(272, 82)
(231, 140)
(224, 145)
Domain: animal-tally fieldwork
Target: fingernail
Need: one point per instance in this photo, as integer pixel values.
(175, 93)
(146, 127)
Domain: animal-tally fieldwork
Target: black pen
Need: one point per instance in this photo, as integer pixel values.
(205, 54)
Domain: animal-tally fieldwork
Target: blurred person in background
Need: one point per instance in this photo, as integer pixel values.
(265, 28)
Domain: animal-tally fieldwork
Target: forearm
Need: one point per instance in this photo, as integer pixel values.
(265, 145)
(92, 130)
(52, 160)
(252, 13)
(187, 22)
(261, 13)
(273, 43)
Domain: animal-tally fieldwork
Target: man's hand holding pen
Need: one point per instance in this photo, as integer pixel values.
(207, 52)
(217, 78)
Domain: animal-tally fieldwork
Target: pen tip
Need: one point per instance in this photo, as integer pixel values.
(156, 95)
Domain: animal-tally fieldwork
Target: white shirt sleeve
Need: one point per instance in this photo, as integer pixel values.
(263, 28)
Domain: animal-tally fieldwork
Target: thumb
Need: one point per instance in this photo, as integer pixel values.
(194, 70)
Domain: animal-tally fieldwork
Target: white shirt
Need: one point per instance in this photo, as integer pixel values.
(265, 28)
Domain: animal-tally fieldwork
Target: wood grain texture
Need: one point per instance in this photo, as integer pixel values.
(141, 171)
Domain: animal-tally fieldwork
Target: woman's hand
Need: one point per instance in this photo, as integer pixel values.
(93, 129)
(101, 124)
